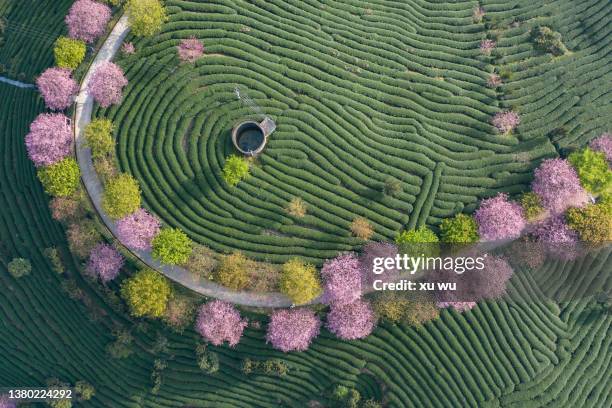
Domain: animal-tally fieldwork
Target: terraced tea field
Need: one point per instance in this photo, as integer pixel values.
(360, 91)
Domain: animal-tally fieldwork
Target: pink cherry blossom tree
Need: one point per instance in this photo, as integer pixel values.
(371, 251)
(603, 144)
(342, 279)
(494, 81)
(137, 230)
(87, 20)
(49, 139)
(6, 402)
(292, 330)
(351, 320)
(106, 84)
(128, 48)
(190, 49)
(555, 237)
(57, 88)
(458, 306)
(558, 186)
(498, 218)
(506, 122)
(219, 321)
(104, 262)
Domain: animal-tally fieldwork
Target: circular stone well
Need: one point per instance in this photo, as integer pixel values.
(249, 137)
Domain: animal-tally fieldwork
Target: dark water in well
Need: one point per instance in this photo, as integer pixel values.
(250, 139)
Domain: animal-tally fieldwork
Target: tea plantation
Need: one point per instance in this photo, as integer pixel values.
(359, 91)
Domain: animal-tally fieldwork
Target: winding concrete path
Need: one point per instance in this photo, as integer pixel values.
(18, 84)
(93, 186)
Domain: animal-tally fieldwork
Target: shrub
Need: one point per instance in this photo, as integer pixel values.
(136, 231)
(145, 16)
(202, 261)
(87, 20)
(106, 84)
(299, 281)
(352, 320)
(65, 209)
(57, 88)
(532, 206)
(84, 390)
(557, 185)
(190, 49)
(344, 397)
(105, 262)
(122, 346)
(593, 171)
(60, 179)
(233, 271)
(208, 361)
(121, 196)
(487, 46)
(549, 40)
(219, 322)
(506, 122)
(392, 187)
(592, 223)
(494, 81)
(236, 169)
(498, 218)
(296, 207)
(19, 267)
(179, 313)
(603, 144)
(147, 293)
(342, 279)
(478, 14)
(172, 246)
(53, 255)
(128, 48)
(99, 137)
(292, 330)
(82, 237)
(49, 139)
(362, 228)
(68, 52)
(461, 229)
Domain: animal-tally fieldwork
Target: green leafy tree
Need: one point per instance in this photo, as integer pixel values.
(593, 223)
(84, 390)
(418, 241)
(69, 52)
(461, 229)
(146, 293)
(172, 246)
(99, 137)
(299, 281)
(593, 171)
(146, 16)
(60, 179)
(392, 187)
(121, 196)
(532, 205)
(549, 40)
(233, 271)
(19, 267)
(236, 169)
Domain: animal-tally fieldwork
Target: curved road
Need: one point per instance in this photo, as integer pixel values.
(93, 186)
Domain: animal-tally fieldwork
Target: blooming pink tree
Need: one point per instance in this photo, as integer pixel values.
(50, 139)
(106, 84)
(6, 402)
(498, 218)
(458, 306)
(219, 321)
(371, 251)
(137, 230)
(351, 320)
(105, 262)
(57, 88)
(491, 282)
(506, 121)
(603, 144)
(342, 279)
(128, 48)
(487, 46)
(555, 237)
(292, 330)
(87, 20)
(190, 49)
(558, 186)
